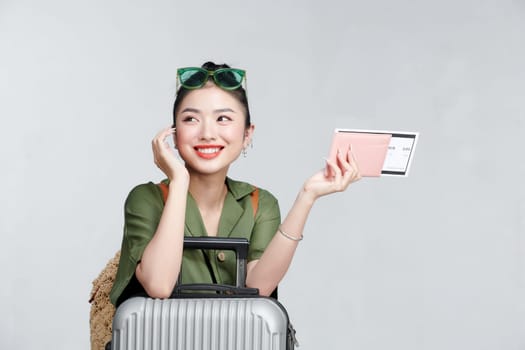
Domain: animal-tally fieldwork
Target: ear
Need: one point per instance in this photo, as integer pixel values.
(248, 134)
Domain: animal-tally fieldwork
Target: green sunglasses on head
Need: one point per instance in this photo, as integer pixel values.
(195, 77)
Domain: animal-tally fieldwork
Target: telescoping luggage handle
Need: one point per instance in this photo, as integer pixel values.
(239, 245)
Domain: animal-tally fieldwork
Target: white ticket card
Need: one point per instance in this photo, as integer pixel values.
(400, 153)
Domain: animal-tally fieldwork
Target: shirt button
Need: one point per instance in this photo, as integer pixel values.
(221, 256)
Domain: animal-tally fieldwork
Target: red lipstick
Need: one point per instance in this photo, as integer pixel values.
(208, 151)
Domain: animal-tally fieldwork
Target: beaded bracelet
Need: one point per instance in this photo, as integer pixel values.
(289, 236)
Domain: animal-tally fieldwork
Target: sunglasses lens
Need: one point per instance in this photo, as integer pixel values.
(193, 78)
(229, 78)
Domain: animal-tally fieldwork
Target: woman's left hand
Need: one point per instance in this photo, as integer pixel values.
(336, 177)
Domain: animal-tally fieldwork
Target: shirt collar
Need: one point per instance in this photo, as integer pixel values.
(239, 189)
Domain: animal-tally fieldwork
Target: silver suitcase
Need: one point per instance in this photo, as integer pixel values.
(216, 317)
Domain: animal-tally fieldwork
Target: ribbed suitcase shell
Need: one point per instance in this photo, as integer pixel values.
(200, 324)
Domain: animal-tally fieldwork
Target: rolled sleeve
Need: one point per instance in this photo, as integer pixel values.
(142, 211)
(267, 220)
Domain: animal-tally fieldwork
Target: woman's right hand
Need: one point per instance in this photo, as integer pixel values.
(165, 158)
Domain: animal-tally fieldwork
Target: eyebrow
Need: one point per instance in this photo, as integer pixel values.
(195, 110)
(224, 110)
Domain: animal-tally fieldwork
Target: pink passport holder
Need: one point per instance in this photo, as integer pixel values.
(369, 149)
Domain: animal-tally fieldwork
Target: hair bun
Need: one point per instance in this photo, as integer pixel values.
(211, 66)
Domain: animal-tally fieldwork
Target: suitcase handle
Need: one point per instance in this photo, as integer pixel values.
(239, 245)
(217, 289)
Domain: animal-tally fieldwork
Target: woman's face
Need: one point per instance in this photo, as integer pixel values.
(211, 130)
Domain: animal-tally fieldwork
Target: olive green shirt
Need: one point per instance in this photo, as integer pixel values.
(142, 212)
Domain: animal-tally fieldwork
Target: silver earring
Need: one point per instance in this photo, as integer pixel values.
(244, 152)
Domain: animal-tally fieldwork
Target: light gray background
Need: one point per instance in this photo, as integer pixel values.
(433, 261)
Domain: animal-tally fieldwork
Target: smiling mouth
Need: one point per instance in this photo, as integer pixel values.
(208, 152)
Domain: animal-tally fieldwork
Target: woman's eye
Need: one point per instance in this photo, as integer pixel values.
(189, 119)
(224, 118)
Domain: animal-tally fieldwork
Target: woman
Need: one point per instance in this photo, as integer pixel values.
(211, 127)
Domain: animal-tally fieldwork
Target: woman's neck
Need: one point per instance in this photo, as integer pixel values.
(208, 191)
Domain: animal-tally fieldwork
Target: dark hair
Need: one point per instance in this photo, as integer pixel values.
(239, 93)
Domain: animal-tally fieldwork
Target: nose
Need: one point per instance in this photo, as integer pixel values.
(208, 129)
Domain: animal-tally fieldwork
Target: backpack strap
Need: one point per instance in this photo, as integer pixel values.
(255, 201)
(164, 189)
(254, 196)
